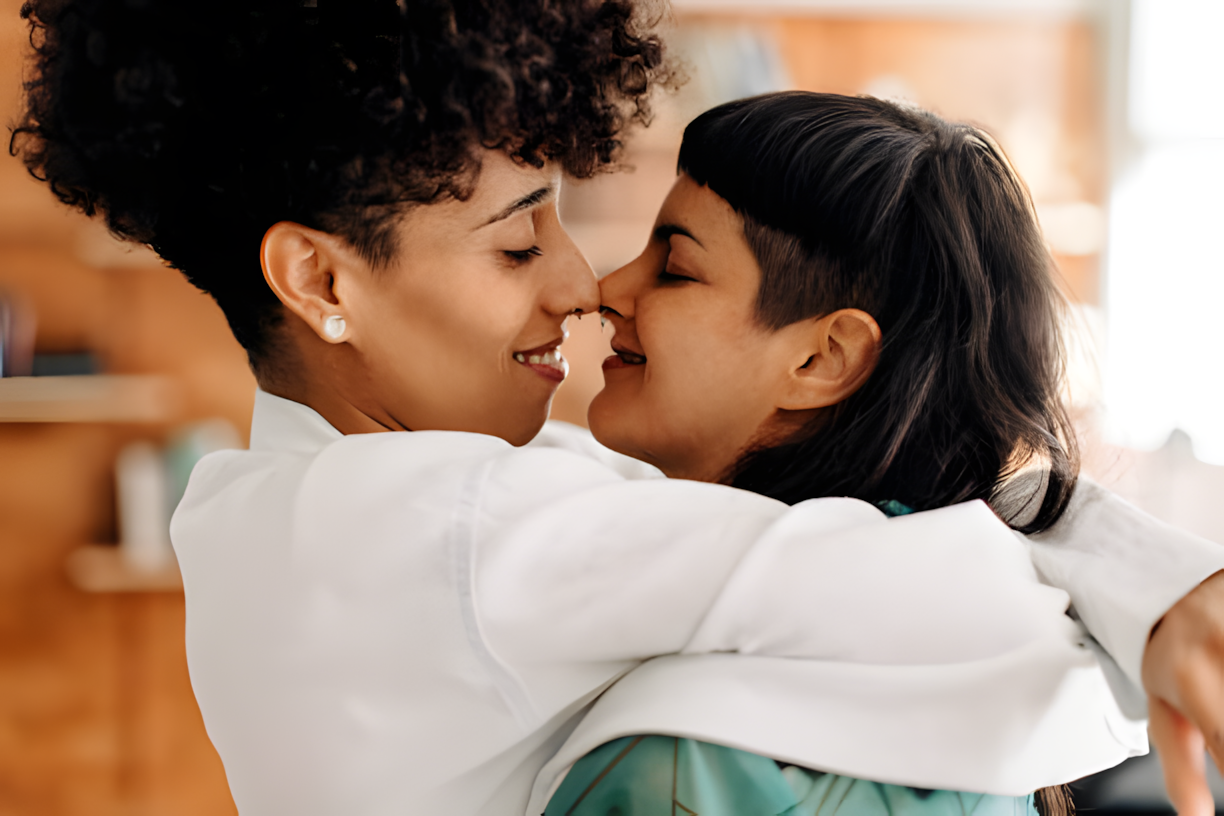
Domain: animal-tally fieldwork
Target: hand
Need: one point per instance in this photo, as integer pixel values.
(1183, 672)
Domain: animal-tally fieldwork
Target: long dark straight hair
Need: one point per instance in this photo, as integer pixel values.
(855, 202)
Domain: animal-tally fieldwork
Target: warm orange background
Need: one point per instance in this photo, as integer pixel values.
(96, 711)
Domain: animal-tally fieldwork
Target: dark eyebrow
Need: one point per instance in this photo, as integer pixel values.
(525, 203)
(665, 231)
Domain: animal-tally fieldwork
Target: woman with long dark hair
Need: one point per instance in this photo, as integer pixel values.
(842, 297)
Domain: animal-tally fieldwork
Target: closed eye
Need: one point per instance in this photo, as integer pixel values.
(522, 255)
(672, 277)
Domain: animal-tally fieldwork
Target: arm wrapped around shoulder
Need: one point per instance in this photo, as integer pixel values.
(944, 586)
(920, 650)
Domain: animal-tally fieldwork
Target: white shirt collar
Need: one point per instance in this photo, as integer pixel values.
(278, 424)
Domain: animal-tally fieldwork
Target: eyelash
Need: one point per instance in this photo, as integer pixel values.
(522, 255)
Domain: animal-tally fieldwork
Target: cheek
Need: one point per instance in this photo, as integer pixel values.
(696, 350)
(440, 351)
(694, 395)
(706, 387)
(451, 319)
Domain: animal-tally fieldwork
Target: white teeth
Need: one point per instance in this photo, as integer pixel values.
(549, 358)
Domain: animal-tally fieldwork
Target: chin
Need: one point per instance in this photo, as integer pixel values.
(601, 420)
(523, 432)
(611, 427)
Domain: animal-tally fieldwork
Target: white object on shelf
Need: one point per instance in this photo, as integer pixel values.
(148, 485)
(144, 509)
(102, 568)
(88, 398)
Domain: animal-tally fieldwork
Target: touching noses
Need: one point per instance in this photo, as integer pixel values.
(617, 292)
(572, 287)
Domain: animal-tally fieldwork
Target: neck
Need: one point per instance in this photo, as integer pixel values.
(340, 412)
(326, 378)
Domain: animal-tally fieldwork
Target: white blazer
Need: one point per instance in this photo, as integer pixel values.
(416, 622)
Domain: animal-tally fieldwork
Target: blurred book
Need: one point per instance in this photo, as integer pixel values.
(64, 365)
(16, 335)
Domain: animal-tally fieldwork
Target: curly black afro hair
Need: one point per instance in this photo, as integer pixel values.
(193, 127)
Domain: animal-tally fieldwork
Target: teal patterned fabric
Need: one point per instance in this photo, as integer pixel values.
(670, 776)
(892, 507)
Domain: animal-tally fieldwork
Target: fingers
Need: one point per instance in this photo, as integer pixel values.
(1180, 746)
(1184, 667)
(1201, 702)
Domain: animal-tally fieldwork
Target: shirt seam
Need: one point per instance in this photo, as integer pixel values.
(463, 551)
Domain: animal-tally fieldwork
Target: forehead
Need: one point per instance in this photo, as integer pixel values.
(503, 179)
(693, 205)
(500, 185)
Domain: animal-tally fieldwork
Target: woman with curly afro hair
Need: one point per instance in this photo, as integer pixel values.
(412, 623)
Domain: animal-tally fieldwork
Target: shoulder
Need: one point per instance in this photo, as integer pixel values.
(557, 435)
(437, 468)
(422, 462)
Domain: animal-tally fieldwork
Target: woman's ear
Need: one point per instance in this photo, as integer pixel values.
(836, 355)
(302, 266)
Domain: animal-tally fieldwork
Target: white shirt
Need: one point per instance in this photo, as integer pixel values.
(417, 622)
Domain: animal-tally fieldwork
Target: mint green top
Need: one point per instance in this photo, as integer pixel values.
(670, 776)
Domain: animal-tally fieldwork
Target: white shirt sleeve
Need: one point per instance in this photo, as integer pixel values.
(1122, 568)
(597, 570)
(572, 564)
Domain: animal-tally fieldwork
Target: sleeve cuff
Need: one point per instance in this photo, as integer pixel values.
(1122, 568)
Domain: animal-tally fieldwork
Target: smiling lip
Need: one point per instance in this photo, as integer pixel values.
(623, 358)
(545, 360)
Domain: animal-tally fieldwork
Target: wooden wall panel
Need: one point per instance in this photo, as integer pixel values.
(96, 711)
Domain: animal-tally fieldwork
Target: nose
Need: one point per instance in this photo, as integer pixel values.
(572, 287)
(618, 291)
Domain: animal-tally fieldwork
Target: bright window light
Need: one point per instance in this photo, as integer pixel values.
(1165, 279)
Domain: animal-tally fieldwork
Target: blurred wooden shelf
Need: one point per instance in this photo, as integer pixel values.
(102, 568)
(88, 398)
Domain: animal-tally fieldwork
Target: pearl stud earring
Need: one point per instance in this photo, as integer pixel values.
(334, 327)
